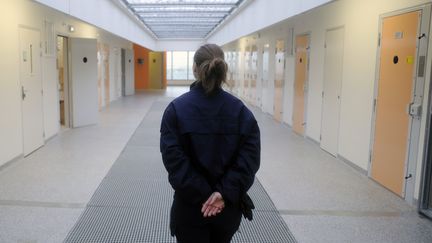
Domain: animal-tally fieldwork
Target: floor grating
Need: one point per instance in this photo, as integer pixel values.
(132, 202)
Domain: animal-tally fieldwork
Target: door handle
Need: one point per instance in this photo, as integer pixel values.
(23, 95)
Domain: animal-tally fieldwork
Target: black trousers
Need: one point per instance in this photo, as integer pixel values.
(189, 225)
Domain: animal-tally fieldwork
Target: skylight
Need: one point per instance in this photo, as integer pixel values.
(182, 19)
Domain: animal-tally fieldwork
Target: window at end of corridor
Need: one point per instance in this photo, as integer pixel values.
(179, 65)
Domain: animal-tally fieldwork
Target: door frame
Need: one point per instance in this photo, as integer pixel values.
(284, 51)
(68, 76)
(123, 72)
(308, 34)
(417, 92)
(340, 90)
(68, 90)
(426, 173)
(425, 196)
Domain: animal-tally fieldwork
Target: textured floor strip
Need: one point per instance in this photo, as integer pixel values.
(133, 201)
(340, 213)
(20, 203)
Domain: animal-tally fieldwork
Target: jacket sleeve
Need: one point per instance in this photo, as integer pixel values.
(240, 176)
(191, 186)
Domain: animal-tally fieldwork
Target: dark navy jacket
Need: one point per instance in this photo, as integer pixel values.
(209, 143)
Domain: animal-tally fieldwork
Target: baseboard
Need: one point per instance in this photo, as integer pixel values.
(10, 162)
(313, 141)
(285, 124)
(180, 82)
(147, 90)
(415, 202)
(51, 137)
(351, 164)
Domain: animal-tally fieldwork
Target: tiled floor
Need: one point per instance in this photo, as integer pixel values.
(321, 198)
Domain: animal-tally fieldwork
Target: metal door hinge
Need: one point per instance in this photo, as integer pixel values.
(374, 105)
(370, 156)
(379, 39)
(423, 35)
(23, 95)
(320, 137)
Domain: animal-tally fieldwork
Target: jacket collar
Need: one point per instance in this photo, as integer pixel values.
(198, 86)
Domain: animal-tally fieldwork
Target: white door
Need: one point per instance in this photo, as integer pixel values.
(259, 78)
(117, 74)
(83, 71)
(333, 64)
(129, 73)
(265, 80)
(31, 90)
(239, 77)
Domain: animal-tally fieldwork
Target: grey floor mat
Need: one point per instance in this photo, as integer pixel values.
(132, 202)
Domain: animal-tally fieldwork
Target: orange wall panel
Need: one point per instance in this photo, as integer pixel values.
(142, 75)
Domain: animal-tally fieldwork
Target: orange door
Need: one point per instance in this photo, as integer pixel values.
(279, 78)
(395, 87)
(301, 74)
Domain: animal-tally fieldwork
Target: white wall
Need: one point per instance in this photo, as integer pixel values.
(260, 14)
(105, 14)
(361, 22)
(10, 100)
(178, 45)
(14, 14)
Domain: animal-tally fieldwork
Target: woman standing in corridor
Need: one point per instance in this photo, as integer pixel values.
(210, 145)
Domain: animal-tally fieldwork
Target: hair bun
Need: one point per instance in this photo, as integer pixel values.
(218, 64)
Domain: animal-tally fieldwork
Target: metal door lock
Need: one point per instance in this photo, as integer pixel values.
(415, 110)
